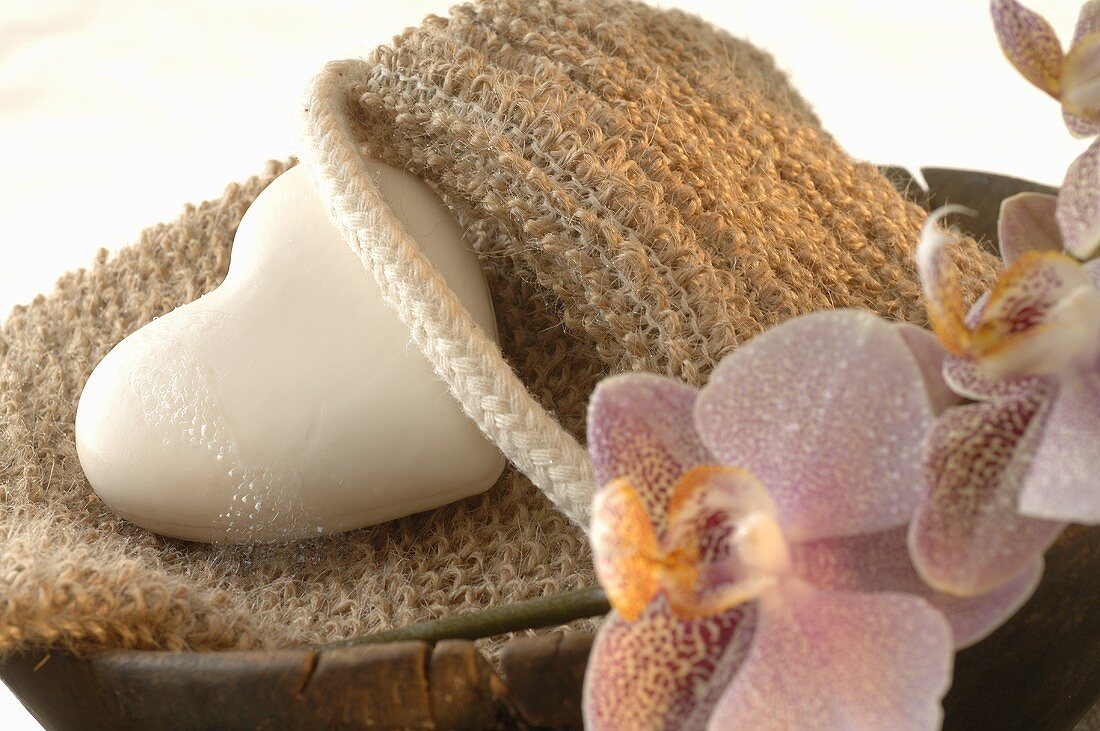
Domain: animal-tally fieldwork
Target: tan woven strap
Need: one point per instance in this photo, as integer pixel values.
(460, 352)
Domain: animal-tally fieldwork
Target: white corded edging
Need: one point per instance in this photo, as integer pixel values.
(460, 352)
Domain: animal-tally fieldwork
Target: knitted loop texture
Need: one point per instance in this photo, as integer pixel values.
(644, 191)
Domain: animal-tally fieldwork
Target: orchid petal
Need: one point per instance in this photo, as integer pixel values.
(976, 310)
(1088, 20)
(1064, 480)
(1027, 223)
(967, 537)
(1029, 43)
(1078, 211)
(939, 278)
(876, 562)
(663, 671)
(641, 428)
(625, 550)
(1088, 23)
(1081, 79)
(829, 411)
(723, 546)
(840, 660)
(1037, 317)
(930, 357)
(966, 378)
(975, 618)
(1079, 126)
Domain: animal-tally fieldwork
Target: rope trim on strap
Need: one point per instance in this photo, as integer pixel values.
(470, 363)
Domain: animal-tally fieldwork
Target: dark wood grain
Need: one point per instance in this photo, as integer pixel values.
(391, 686)
(384, 687)
(1041, 670)
(145, 690)
(465, 693)
(531, 665)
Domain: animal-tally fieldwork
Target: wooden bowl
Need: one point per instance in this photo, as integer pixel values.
(1040, 671)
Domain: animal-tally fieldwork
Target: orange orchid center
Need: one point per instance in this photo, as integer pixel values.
(722, 545)
(1041, 317)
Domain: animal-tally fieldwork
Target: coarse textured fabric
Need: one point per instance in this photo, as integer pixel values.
(645, 192)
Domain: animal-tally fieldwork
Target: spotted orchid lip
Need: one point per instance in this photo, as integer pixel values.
(1041, 315)
(721, 548)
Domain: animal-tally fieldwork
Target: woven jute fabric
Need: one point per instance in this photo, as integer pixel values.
(645, 192)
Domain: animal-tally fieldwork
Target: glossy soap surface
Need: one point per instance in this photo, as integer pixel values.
(290, 401)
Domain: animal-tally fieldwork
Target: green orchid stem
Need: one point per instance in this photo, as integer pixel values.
(530, 614)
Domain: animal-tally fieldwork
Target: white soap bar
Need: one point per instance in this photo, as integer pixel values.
(290, 401)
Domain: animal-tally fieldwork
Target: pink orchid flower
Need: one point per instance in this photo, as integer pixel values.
(1005, 474)
(1031, 45)
(1073, 78)
(751, 538)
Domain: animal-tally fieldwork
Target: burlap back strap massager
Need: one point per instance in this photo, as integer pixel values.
(644, 192)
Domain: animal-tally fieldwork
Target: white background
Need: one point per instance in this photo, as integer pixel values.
(115, 113)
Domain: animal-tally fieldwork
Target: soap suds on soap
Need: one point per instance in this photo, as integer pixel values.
(177, 401)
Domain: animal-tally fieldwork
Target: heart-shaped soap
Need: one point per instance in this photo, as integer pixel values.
(290, 401)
